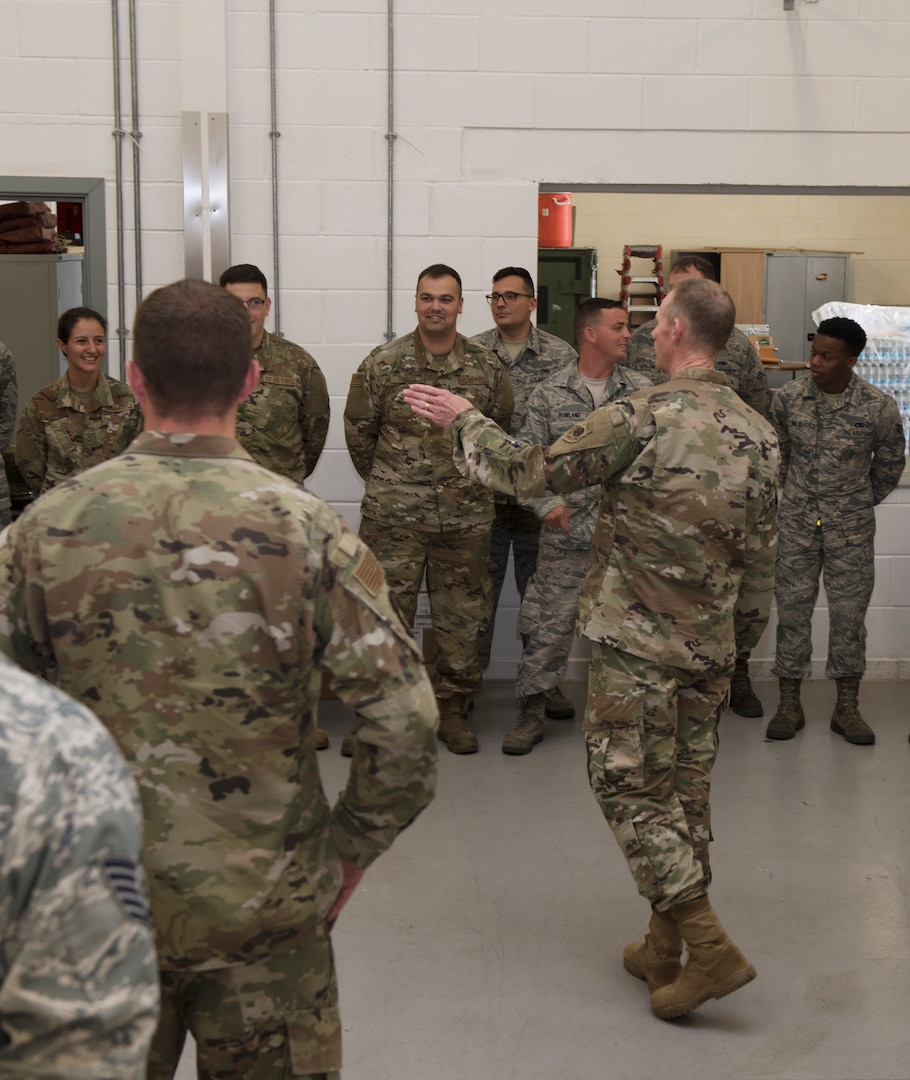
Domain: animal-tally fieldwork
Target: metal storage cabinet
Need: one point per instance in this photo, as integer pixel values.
(796, 284)
(34, 291)
(780, 288)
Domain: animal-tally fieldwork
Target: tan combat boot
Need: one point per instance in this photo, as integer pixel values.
(743, 699)
(322, 739)
(453, 728)
(789, 717)
(846, 719)
(656, 959)
(349, 742)
(529, 728)
(715, 966)
(558, 705)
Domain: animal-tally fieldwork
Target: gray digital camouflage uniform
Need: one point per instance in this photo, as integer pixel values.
(549, 608)
(683, 553)
(838, 461)
(738, 360)
(417, 510)
(516, 528)
(194, 599)
(284, 422)
(59, 435)
(78, 979)
(8, 400)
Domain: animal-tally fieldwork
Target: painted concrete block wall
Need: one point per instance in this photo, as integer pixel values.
(492, 98)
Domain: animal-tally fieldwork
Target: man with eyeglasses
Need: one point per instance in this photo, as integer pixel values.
(529, 356)
(284, 422)
(282, 425)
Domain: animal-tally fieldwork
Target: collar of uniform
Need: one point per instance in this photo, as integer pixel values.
(187, 444)
(532, 345)
(811, 392)
(451, 362)
(101, 395)
(264, 353)
(700, 374)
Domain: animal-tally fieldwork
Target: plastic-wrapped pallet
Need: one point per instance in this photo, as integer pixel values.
(885, 361)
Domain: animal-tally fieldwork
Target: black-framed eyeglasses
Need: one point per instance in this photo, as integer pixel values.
(508, 297)
(255, 303)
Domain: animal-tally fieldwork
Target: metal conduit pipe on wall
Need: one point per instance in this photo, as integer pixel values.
(118, 134)
(274, 135)
(390, 140)
(135, 135)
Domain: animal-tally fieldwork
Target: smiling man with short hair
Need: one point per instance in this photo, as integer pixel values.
(419, 514)
(842, 453)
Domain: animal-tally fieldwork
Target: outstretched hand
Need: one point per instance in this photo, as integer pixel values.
(435, 404)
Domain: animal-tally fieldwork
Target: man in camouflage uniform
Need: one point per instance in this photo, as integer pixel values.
(284, 422)
(739, 361)
(549, 608)
(418, 512)
(842, 452)
(8, 399)
(80, 419)
(195, 599)
(683, 550)
(78, 979)
(529, 356)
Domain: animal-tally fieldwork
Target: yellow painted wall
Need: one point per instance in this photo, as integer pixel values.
(878, 226)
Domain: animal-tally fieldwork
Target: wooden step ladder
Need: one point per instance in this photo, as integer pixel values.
(648, 301)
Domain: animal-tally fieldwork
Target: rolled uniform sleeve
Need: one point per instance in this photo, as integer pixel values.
(314, 418)
(888, 456)
(753, 605)
(376, 670)
(31, 448)
(361, 421)
(590, 453)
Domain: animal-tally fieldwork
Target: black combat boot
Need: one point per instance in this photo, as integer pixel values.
(743, 700)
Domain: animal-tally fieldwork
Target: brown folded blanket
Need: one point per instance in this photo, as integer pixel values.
(46, 220)
(22, 209)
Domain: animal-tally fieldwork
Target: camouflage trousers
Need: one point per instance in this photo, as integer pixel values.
(458, 585)
(848, 564)
(549, 612)
(271, 1020)
(517, 529)
(651, 735)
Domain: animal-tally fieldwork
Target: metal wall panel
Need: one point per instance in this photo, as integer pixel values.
(193, 207)
(219, 219)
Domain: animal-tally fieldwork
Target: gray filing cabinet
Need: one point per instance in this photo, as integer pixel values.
(796, 284)
(34, 291)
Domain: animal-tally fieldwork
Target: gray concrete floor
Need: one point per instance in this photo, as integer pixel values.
(486, 945)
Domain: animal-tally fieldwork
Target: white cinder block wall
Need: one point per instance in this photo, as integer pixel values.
(492, 97)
